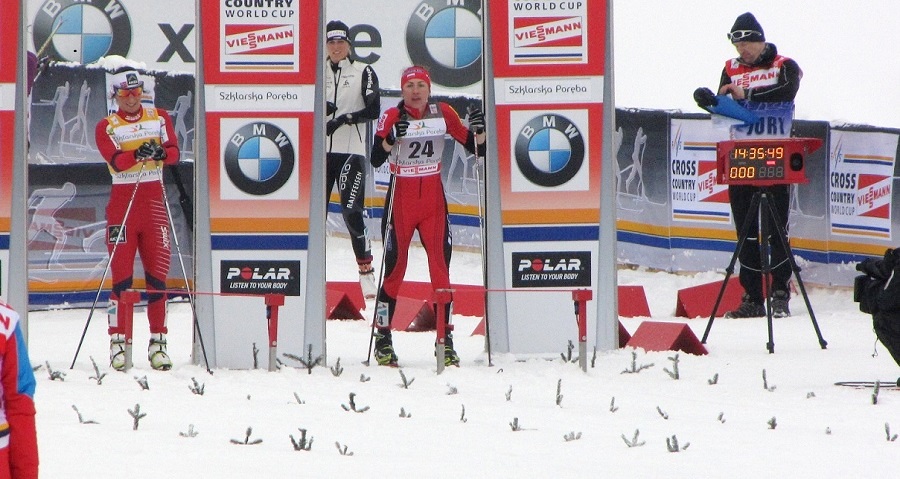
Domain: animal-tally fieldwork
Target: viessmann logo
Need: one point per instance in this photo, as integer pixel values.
(445, 37)
(552, 268)
(259, 39)
(547, 31)
(82, 31)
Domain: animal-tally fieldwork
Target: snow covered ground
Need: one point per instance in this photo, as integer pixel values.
(459, 422)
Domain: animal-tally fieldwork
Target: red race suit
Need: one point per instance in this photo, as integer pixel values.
(18, 437)
(146, 229)
(417, 191)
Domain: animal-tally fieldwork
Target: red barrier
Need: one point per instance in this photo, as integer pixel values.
(339, 306)
(698, 301)
(633, 302)
(349, 288)
(660, 336)
(413, 315)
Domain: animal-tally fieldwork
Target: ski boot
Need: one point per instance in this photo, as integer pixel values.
(367, 283)
(117, 351)
(450, 356)
(156, 353)
(384, 349)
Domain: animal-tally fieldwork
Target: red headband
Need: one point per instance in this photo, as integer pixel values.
(415, 73)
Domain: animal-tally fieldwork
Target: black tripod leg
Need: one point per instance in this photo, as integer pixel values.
(765, 265)
(795, 268)
(742, 236)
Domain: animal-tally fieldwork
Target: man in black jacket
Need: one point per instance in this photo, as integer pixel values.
(759, 74)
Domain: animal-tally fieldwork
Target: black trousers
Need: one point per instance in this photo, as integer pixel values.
(750, 275)
(349, 172)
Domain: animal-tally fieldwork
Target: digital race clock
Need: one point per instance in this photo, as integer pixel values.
(764, 162)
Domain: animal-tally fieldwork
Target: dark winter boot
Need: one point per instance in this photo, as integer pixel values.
(780, 304)
(747, 309)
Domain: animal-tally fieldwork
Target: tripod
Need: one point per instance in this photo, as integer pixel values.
(762, 204)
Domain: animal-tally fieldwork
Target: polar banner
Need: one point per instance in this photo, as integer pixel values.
(259, 75)
(548, 60)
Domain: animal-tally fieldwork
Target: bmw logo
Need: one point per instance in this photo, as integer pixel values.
(82, 31)
(446, 38)
(549, 150)
(259, 158)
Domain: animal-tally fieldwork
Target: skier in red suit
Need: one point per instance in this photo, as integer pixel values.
(410, 137)
(136, 142)
(18, 437)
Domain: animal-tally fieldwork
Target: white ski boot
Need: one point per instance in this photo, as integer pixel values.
(117, 351)
(156, 353)
(367, 283)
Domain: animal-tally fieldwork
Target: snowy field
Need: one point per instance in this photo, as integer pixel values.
(459, 422)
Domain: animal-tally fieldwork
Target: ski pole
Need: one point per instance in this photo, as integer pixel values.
(385, 235)
(187, 285)
(479, 165)
(385, 241)
(112, 254)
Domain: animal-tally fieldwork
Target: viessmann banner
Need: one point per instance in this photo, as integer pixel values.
(548, 63)
(259, 84)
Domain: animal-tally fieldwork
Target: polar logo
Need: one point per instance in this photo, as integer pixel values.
(541, 269)
(270, 274)
(82, 31)
(537, 264)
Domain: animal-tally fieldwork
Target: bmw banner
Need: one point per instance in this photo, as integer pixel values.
(259, 76)
(548, 62)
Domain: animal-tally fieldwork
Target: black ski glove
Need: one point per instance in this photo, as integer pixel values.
(159, 153)
(398, 131)
(334, 124)
(330, 108)
(144, 152)
(705, 97)
(476, 121)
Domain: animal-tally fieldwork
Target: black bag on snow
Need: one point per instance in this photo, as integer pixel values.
(877, 291)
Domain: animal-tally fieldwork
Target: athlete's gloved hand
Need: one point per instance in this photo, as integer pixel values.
(705, 97)
(334, 124)
(476, 121)
(144, 152)
(159, 153)
(398, 131)
(330, 108)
